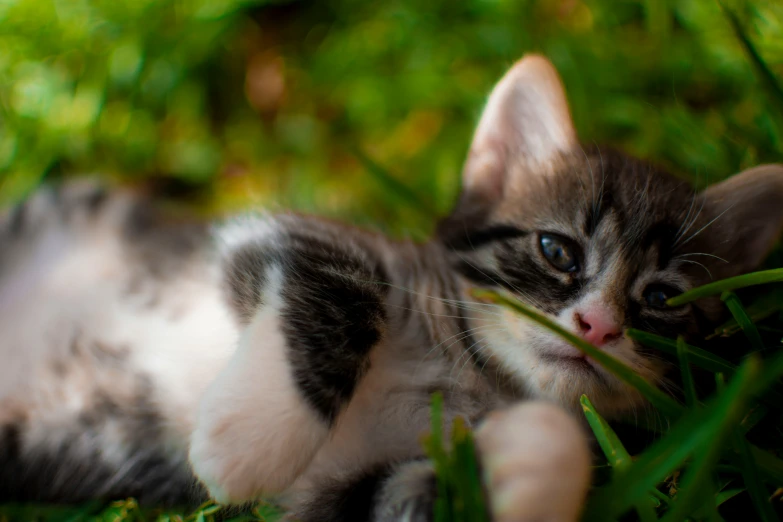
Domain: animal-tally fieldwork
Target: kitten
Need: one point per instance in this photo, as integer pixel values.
(295, 357)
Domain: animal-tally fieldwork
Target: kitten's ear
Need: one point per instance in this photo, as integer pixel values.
(745, 216)
(526, 120)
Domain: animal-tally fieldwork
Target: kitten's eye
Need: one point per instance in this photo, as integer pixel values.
(656, 295)
(560, 252)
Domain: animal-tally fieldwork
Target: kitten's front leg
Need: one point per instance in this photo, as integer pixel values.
(255, 431)
(314, 310)
(535, 461)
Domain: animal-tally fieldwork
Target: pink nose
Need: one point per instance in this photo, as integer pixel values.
(597, 328)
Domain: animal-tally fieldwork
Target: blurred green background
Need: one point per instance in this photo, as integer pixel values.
(361, 109)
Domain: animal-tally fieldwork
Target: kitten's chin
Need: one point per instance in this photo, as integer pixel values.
(547, 368)
(565, 378)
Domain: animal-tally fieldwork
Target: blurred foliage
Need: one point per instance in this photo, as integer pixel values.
(253, 102)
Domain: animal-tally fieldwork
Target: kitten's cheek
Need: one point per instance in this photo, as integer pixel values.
(536, 463)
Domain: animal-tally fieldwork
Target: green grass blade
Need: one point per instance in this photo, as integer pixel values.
(738, 311)
(616, 454)
(268, 512)
(718, 287)
(646, 512)
(460, 494)
(753, 417)
(394, 186)
(700, 470)
(726, 495)
(765, 306)
(688, 385)
(435, 449)
(769, 465)
(699, 473)
(656, 397)
(706, 509)
(702, 428)
(660, 496)
(750, 475)
(697, 356)
(468, 491)
(703, 359)
(767, 77)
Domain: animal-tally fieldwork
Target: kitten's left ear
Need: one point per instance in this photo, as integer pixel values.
(745, 216)
(526, 121)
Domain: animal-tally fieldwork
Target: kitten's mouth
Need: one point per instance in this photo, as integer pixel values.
(572, 362)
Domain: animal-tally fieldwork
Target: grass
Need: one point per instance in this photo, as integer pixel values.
(129, 511)
(707, 440)
(711, 452)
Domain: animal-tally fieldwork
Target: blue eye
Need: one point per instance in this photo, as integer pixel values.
(656, 296)
(560, 252)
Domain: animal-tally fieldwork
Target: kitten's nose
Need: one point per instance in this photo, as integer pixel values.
(598, 327)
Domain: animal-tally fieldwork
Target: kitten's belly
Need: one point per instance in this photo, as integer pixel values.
(80, 329)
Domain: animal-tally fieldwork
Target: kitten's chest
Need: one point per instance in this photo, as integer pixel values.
(426, 348)
(391, 409)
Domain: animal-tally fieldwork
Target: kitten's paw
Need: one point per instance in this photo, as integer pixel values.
(536, 463)
(254, 433)
(234, 466)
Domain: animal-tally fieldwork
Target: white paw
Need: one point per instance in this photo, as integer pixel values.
(254, 433)
(222, 477)
(241, 454)
(536, 463)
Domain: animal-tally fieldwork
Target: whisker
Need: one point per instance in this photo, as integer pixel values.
(464, 333)
(697, 263)
(434, 314)
(705, 226)
(700, 254)
(468, 350)
(691, 223)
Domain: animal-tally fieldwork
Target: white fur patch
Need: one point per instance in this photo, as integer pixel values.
(70, 289)
(246, 229)
(254, 432)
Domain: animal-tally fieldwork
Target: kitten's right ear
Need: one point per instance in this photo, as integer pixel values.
(744, 216)
(525, 125)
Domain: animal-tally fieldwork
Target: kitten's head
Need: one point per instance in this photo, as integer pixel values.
(596, 239)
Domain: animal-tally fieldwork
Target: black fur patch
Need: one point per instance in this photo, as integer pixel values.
(334, 313)
(351, 500)
(245, 275)
(481, 275)
(159, 241)
(474, 239)
(408, 494)
(68, 474)
(74, 470)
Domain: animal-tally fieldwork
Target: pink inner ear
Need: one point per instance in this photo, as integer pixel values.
(526, 120)
(597, 325)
